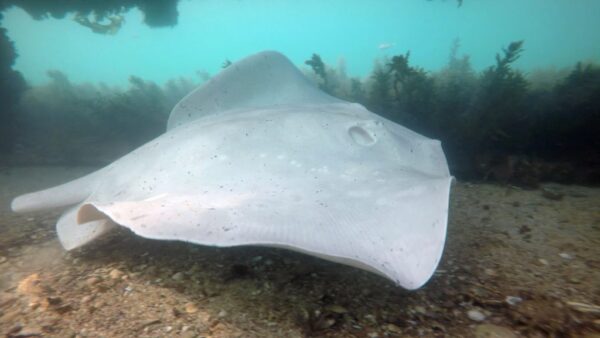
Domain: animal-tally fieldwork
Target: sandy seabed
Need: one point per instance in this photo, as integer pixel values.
(516, 263)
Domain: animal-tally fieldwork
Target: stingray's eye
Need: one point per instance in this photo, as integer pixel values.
(362, 135)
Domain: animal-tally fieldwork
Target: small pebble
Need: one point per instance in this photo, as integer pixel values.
(92, 281)
(28, 332)
(188, 334)
(336, 309)
(86, 299)
(394, 328)
(476, 315)
(543, 261)
(493, 331)
(371, 318)
(222, 313)
(324, 323)
(3, 259)
(420, 309)
(565, 255)
(178, 276)
(513, 300)
(191, 308)
(115, 274)
(552, 195)
(490, 272)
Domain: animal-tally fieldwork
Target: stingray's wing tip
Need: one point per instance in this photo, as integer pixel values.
(23, 203)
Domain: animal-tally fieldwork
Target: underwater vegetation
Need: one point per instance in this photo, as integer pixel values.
(498, 124)
(318, 67)
(157, 13)
(12, 85)
(64, 123)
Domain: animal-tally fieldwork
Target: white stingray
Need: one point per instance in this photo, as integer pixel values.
(259, 156)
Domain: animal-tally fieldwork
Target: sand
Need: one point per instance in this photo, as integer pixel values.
(517, 263)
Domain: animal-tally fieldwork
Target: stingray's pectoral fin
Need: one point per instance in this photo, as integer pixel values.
(73, 234)
(63, 195)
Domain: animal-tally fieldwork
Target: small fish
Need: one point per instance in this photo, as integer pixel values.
(386, 45)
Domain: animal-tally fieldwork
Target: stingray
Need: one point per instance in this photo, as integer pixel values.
(260, 156)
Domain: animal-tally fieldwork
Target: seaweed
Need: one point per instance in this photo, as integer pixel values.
(498, 119)
(494, 125)
(65, 123)
(12, 85)
(380, 98)
(226, 63)
(401, 71)
(157, 13)
(570, 117)
(318, 67)
(357, 91)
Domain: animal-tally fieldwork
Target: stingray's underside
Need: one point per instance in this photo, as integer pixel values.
(272, 161)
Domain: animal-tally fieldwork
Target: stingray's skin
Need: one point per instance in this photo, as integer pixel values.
(259, 156)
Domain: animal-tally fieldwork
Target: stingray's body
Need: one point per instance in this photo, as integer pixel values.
(258, 156)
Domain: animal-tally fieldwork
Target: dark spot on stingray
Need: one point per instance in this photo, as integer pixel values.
(138, 217)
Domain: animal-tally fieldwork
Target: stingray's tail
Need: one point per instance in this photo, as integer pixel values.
(60, 196)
